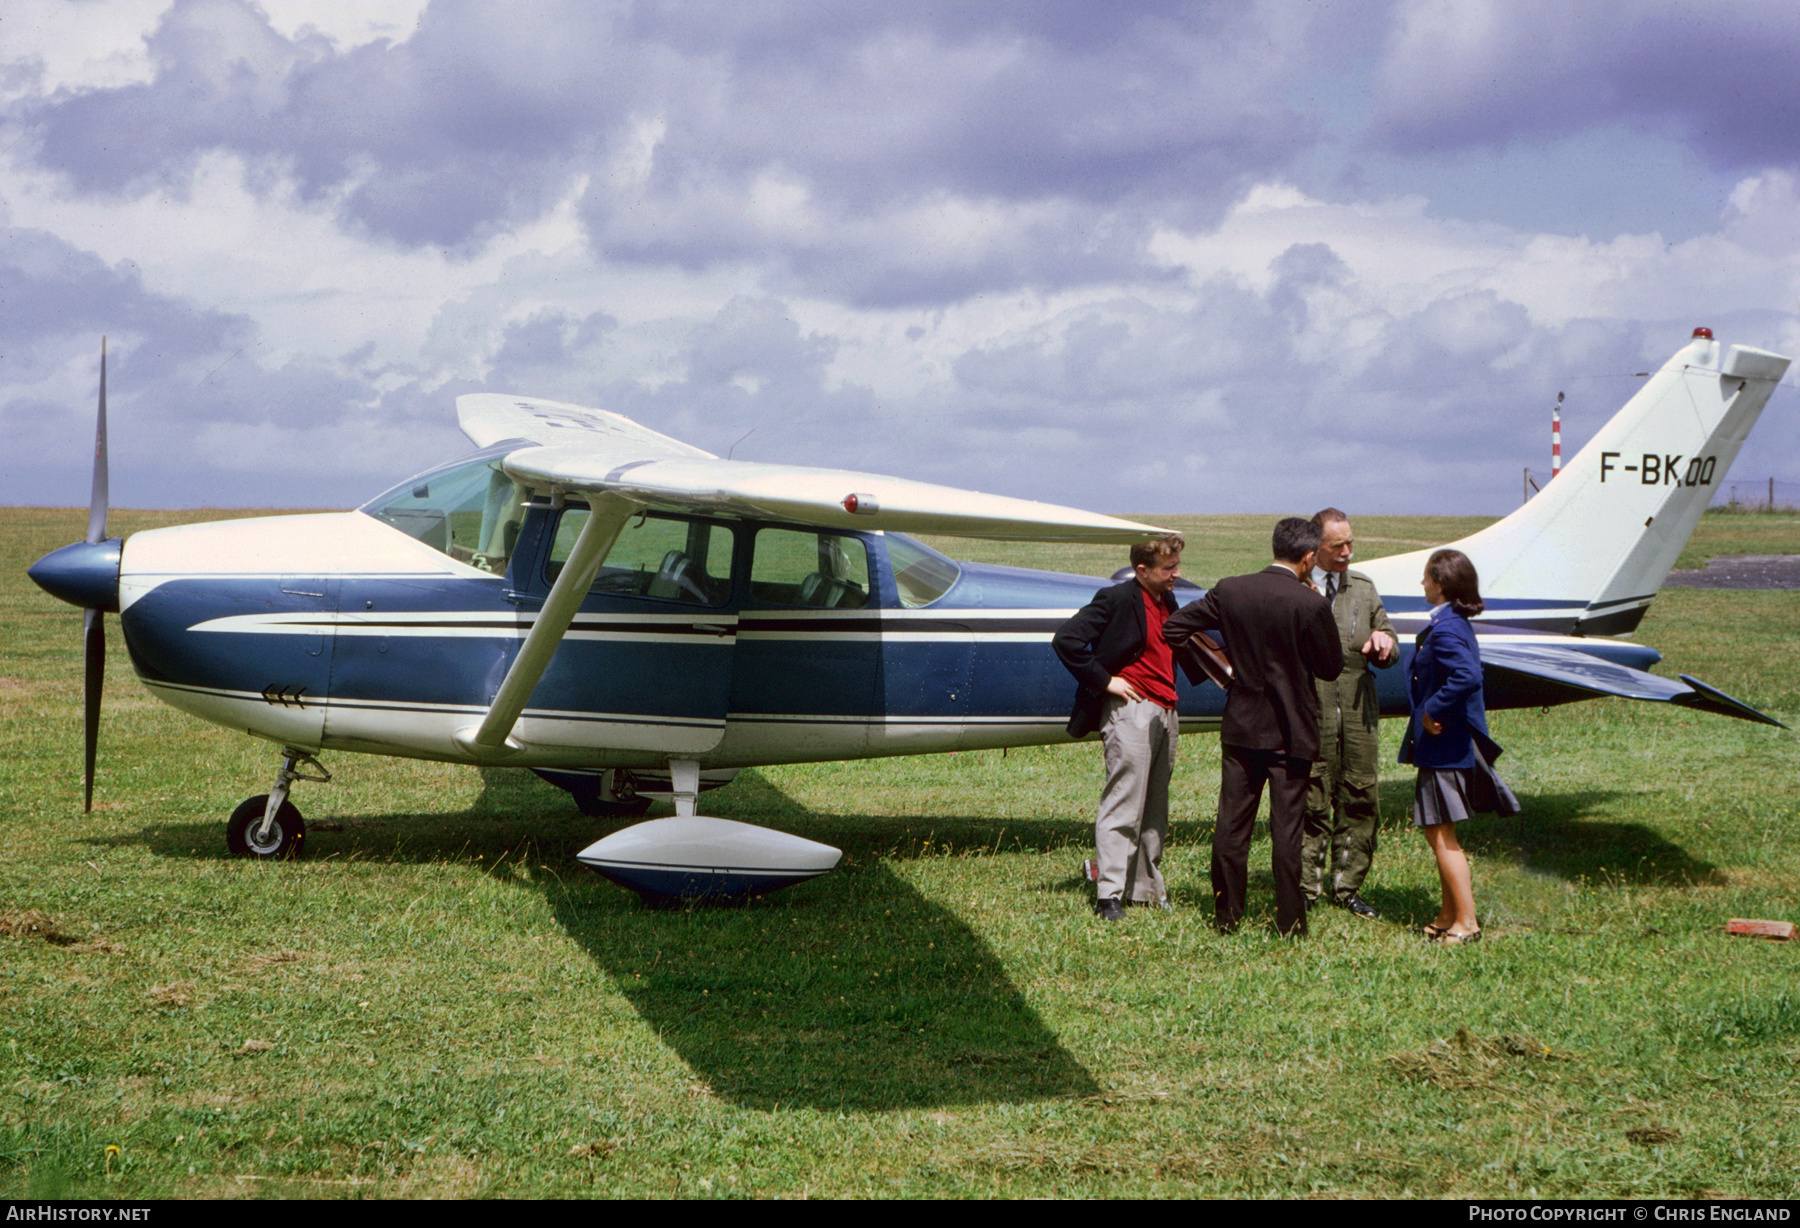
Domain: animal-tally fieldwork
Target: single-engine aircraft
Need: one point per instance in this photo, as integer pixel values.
(619, 611)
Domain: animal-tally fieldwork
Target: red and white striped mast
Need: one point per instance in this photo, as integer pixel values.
(1556, 437)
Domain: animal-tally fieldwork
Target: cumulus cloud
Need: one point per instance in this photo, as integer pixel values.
(196, 417)
(1050, 250)
(703, 134)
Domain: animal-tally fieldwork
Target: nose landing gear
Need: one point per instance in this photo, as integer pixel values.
(268, 826)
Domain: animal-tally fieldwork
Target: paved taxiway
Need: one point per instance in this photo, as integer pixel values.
(1744, 571)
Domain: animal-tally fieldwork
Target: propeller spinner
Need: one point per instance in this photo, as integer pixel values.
(86, 574)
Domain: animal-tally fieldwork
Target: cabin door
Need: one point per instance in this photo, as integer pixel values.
(647, 663)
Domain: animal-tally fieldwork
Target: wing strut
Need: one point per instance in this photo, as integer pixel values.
(493, 739)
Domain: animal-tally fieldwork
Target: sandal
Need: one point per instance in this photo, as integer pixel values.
(1448, 939)
(1434, 931)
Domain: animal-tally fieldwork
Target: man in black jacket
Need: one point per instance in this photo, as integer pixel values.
(1115, 648)
(1280, 635)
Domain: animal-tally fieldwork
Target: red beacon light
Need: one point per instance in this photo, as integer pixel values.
(1703, 332)
(861, 505)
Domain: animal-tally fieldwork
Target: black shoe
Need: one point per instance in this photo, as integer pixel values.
(1108, 909)
(1359, 906)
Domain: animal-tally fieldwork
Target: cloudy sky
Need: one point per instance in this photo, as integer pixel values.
(1149, 257)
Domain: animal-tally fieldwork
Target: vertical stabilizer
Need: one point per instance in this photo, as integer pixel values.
(1588, 553)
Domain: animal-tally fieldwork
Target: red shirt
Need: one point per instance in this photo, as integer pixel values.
(1152, 675)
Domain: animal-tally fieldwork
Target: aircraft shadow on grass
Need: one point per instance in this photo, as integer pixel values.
(852, 991)
(1553, 835)
(516, 812)
(855, 991)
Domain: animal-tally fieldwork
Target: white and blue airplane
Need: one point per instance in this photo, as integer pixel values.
(619, 611)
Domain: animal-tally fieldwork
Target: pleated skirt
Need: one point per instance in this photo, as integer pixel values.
(1450, 795)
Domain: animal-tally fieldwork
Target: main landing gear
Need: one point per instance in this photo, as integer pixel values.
(268, 826)
(609, 794)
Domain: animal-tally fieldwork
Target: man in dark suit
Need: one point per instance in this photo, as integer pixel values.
(1280, 635)
(1115, 648)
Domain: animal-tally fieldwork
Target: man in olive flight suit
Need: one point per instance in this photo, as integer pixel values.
(1338, 843)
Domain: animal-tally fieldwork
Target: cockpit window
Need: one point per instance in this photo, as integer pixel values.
(470, 510)
(921, 574)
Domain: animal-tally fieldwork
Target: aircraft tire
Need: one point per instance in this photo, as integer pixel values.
(590, 803)
(286, 843)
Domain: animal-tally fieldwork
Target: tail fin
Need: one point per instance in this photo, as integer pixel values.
(1589, 552)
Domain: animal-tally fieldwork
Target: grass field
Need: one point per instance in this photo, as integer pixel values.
(441, 1002)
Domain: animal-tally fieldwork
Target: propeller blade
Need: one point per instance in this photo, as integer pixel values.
(93, 628)
(97, 501)
(94, 654)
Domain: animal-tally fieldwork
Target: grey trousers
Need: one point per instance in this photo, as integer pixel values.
(1140, 739)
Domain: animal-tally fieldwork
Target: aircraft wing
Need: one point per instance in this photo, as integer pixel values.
(488, 418)
(570, 449)
(1519, 676)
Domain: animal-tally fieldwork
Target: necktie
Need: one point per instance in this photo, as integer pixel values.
(1330, 587)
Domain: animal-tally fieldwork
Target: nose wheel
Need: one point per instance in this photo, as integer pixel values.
(268, 826)
(246, 835)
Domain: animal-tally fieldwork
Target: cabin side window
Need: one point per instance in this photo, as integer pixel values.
(655, 556)
(471, 511)
(809, 568)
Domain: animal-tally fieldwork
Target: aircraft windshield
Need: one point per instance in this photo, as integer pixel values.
(470, 510)
(920, 573)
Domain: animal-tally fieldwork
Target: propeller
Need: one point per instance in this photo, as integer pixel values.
(86, 574)
(93, 622)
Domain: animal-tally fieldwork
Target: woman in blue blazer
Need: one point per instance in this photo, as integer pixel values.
(1448, 739)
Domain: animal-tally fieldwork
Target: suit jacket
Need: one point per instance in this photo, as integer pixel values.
(1281, 637)
(1445, 681)
(1103, 638)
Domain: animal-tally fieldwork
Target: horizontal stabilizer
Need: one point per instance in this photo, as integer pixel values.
(1518, 676)
(1711, 699)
